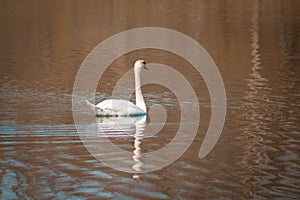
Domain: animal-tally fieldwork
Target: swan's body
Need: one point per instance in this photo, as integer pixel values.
(117, 107)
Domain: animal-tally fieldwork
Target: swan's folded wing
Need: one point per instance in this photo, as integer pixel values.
(110, 111)
(117, 107)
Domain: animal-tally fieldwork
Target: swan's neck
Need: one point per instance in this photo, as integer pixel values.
(138, 91)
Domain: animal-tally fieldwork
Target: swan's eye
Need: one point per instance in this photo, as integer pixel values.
(144, 62)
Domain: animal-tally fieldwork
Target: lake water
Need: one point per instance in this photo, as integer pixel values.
(255, 45)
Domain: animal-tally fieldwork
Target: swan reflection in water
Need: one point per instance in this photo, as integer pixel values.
(122, 127)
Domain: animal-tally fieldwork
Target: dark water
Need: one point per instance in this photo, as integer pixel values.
(256, 47)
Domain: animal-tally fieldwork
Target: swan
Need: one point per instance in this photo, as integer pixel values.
(118, 107)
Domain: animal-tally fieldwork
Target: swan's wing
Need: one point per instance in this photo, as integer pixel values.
(118, 107)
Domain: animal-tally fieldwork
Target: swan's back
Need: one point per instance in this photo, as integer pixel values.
(118, 107)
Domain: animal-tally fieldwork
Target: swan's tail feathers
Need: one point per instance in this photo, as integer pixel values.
(98, 111)
(92, 106)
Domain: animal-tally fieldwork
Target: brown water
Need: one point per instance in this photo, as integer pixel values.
(256, 47)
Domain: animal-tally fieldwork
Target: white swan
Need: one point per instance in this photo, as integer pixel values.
(117, 107)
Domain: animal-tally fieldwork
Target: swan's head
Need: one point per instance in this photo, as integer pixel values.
(140, 64)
